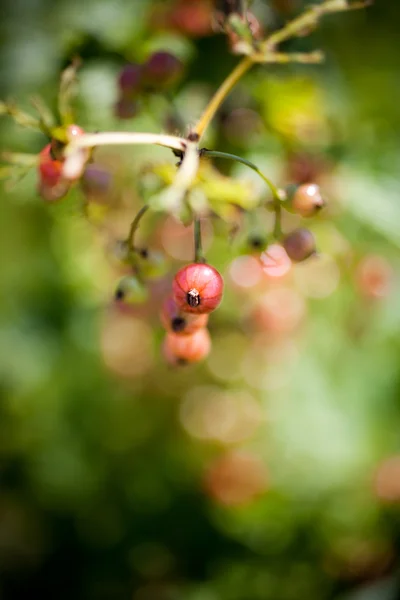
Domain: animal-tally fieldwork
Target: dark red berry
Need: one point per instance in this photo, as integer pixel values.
(130, 79)
(181, 323)
(198, 288)
(299, 244)
(162, 69)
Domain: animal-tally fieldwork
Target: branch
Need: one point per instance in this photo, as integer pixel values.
(306, 58)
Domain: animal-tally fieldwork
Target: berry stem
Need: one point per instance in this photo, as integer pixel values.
(221, 93)
(277, 195)
(308, 20)
(121, 138)
(277, 232)
(134, 226)
(198, 251)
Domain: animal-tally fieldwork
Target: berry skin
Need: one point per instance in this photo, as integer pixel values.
(130, 79)
(299, 244)
(306, 200)
(198, 288)
(50, 169)
(131, 291)
(162, 69)
(178, 322)
(186, 349)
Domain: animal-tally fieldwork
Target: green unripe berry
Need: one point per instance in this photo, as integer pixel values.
(151, 263)
(130, 290)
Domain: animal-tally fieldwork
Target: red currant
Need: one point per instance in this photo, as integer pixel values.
(50, 169)
(178, 322)
(130, 79)
(185, 349)
(198, 288)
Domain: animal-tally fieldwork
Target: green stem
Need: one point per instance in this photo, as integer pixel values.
(216, 154)
(198, 251)
(135, 225)
(277, 233)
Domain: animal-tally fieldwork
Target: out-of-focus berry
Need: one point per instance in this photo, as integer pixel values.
(299, 244)
(130, 290)
(151, 263)
(125, 108)
(279, 311)
(50, 169)
(191, 17)
(305, 200)
(162, 69)
(178, 322)
(73, 132)
(236, 478)
(96, 181)
(198, 288)
(386, 482)
(186, 349)
(374, 276)
(130, 79)
(275, 261)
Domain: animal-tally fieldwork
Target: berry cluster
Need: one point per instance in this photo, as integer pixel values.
(158, 73)
(196, 291)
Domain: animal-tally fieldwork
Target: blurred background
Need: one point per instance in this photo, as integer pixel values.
(272, 470)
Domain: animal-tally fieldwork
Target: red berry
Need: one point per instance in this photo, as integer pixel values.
(178, 322)
(299, 244)
(184, 349)
(198, 288)
(50, 169)
(130, 79)
(162, 69)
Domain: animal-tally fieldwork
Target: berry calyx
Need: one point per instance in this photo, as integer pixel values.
(299, 244)
(178, 322)
(198, 288)
(306, 199)
(186, 349)
(162, 69)
(130, 290)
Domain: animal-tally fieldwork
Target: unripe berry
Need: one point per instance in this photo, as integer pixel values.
(198, 288)
(162, 69)
(305, 200)
(152, 263)
(130, 79)
(185, 349)
(299, 244)
(178, 322)
(131, 291)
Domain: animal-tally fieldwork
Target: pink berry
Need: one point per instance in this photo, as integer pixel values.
(306, 200)
(178, 322)
(186, 349)
(198, 288)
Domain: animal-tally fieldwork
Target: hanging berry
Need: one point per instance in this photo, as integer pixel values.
(198, 288)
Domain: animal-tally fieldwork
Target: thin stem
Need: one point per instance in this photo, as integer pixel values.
(221, 93)
(134, 226)
(216, 154)
(277, 232)
(309, 19)
(198, 251)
